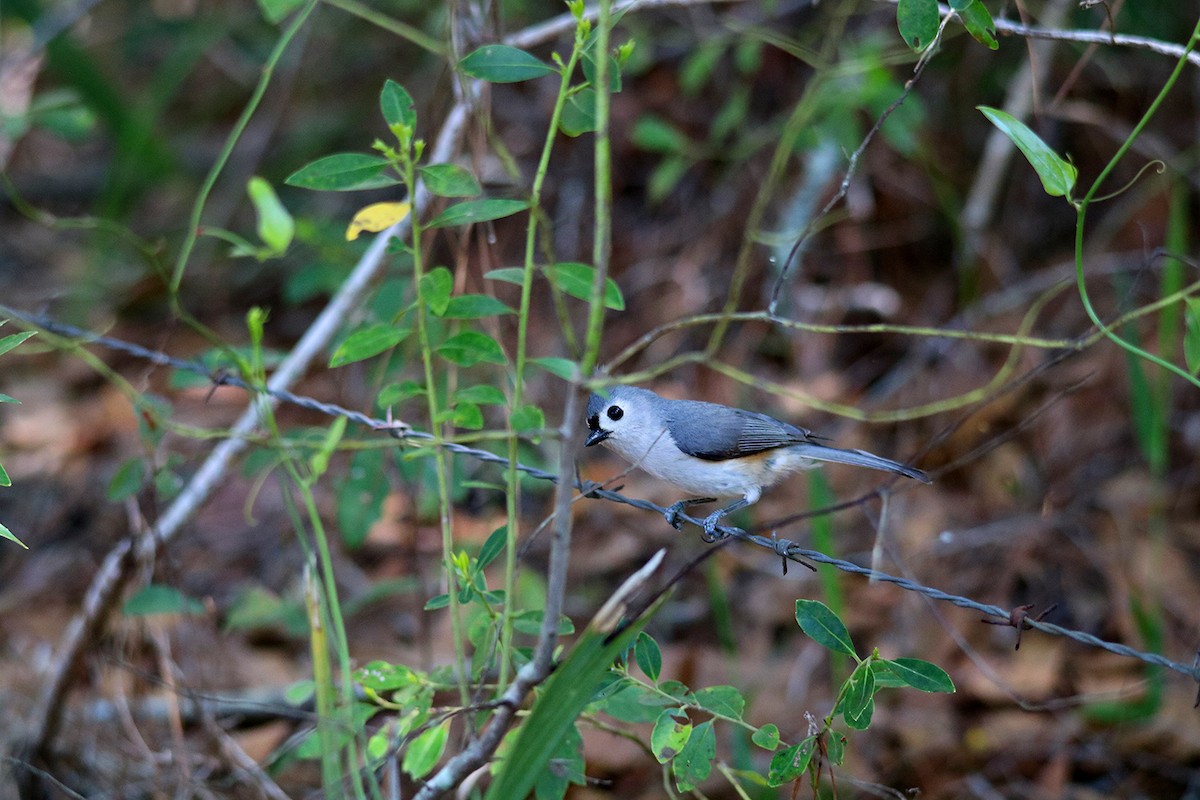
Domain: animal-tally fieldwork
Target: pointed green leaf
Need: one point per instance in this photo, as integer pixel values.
(978, 22)
(343, 172)
(515, 275)
(493, 547)
(1191, 335)
(500, 63)
(918, 22)
(367, 342)
(564, 368)
(820, 623)
(648, 656)
(576, 280)
(482, 395)
(275, 225)
(579, 113)
(475, 306)
(472, 211)
(423, 754)
(858, 693)
(159, 599)
(127, 481)
(1058, 175)
(466, 415)
(655, 134)
(13, 339)
(436, 286)
(449, 180)
(470, 348)
(4, 479)
(5, 533)
(694, 763)
(397, 105)
(398, 392)
(920, 674)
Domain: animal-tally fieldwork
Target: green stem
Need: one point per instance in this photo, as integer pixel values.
(602, 232)
(1082, 206)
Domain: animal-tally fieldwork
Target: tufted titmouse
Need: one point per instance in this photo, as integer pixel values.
(709, 449)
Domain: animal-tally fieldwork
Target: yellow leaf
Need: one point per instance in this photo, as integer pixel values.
(376, 217)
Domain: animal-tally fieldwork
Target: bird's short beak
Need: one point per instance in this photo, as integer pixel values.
(596, 437)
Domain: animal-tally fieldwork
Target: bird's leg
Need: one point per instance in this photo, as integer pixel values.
(710, 522)
(672, 512)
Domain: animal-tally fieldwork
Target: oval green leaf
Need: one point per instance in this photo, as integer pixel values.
(473, 211)
(576, 280)
(790, 763)
(500, 63)
(921, 674)
(725, 701)
(820, 623)
(670, 734)
(564, 368)
(918, 22)
(1058, 175)
(397, 105)
(475, 306)
(422, 755)
(449, 180)
(527, 418)
(343, 172)
(482, 395)
(648, 656)
(766, 737)
(275, 225)
(367, 342)
(436, 286)
(470, 348)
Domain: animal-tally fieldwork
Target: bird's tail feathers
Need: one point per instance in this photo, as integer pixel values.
(859, 458)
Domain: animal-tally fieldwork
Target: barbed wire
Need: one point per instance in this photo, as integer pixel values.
(785, 548)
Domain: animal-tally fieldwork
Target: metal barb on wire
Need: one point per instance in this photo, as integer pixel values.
(785, 548)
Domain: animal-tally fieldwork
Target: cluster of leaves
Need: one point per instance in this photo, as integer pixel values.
(684, 720)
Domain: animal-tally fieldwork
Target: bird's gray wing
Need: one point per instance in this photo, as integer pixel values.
(717, 433)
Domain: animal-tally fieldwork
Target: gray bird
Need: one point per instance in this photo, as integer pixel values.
(711, 450)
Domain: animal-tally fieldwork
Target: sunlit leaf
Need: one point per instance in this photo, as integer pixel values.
(275, 225)
(1058, 175)
(367, 342)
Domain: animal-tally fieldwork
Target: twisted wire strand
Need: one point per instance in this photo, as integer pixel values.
(785, 548)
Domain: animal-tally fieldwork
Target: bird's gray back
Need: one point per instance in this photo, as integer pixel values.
(715, 432)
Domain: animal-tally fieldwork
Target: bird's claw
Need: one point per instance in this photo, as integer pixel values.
(711, 534)
(672, 515)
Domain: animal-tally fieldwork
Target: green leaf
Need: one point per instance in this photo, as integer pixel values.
(473, 211)
(576, 280)
(423, 754)
(648, 656)
(127, 481)
(1058, 175)
(790, 763)
(978, 22)
(367, 342)
(579, 113)
(766, 737)
(633, 703)
(694, 763)
(655, 134)
(920, 674)
(515, 275)
(670, 734)
(465, 415)
(918, 22)
(564, 368)
(725, 701)
(274, 11)
(13, 339)
(449, 180)
(500, 63)
(275, 225)
(493, 547)
(1191, 336)
(4, 479)
(436, 602)
(5, 533)
(820, 623)
(159, 599)
(857, 694)
(436, 287)
(475, 306)
(482, 395)
(527, 418)
(862, 720)
(397, 105)
(398, 392)
(343, 172)
(835, 748)
(469, 348)
(382, 676)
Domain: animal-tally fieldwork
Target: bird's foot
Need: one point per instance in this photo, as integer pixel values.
(672, 512)
(711, 534)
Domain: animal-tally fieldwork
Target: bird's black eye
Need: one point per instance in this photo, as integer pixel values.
(615, 413)
(594, 422)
